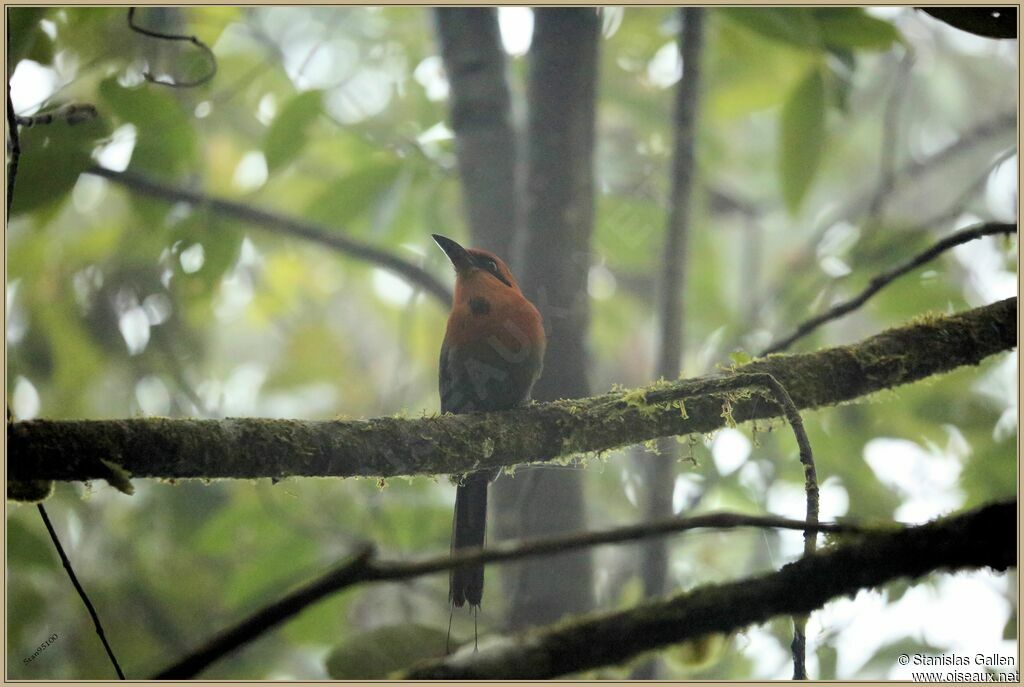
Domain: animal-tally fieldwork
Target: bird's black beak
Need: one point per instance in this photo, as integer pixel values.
(459, 256)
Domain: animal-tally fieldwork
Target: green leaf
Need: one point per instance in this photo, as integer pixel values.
(165, 141)
(756, 72)
(801, 138)
(52, 157)
(793, 25)
(381, 652)
(289, 132)
(849, 27)
(351, 196)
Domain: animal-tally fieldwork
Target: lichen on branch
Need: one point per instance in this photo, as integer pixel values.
(384, 447)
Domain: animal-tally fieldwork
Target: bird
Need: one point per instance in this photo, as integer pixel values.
(492, 354)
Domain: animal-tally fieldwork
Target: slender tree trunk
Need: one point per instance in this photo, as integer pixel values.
(485, 141)
(554, 261)
(659, 470)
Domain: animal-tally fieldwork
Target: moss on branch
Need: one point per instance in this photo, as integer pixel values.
(383, 447)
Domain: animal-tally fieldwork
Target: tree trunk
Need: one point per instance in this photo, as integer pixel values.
(659, 470)
(554, 261)
(485, 142)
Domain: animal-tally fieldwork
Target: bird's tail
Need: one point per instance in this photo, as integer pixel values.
(470, 523)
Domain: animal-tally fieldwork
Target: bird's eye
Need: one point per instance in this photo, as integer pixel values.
(492, 266)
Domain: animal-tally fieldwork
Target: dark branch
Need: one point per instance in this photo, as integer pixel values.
(203, 47)
(79, 589)
(72, 113)
(882, 280)
(986, 537)
(282, 224)
(252, 447)
(361, 568)
(12, 131)
(989, 22)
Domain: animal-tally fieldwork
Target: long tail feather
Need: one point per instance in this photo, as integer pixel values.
(470, 524)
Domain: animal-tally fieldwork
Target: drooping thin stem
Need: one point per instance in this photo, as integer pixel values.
(203, 47)
(81, 592)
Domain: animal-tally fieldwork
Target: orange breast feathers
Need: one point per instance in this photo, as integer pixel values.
(487, 310)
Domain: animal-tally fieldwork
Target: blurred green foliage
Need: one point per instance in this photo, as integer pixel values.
(120, 304)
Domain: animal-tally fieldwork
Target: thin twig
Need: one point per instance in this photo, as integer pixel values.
(882, 280)
(777, 392)
(361, 568)
(972, 188)
(78, 588)
(282, 224)
(211, 58)
(12, 168)
(72, 113)
(799, 646)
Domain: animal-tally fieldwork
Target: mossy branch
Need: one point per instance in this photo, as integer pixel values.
(986, 537)
(383, 447)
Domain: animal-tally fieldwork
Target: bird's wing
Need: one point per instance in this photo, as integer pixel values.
(446, 381)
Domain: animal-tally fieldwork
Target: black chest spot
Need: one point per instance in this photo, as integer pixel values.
(479, 305)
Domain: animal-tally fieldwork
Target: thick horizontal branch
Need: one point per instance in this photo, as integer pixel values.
(986, 537)
(250, 448)
(283, 224)
(362, 568)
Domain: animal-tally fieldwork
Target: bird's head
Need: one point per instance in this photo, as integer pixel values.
(476, 270)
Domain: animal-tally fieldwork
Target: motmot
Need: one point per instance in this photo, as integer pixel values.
(493, 352)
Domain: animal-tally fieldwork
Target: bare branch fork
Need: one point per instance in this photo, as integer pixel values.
(360, 567)
(252, 447)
